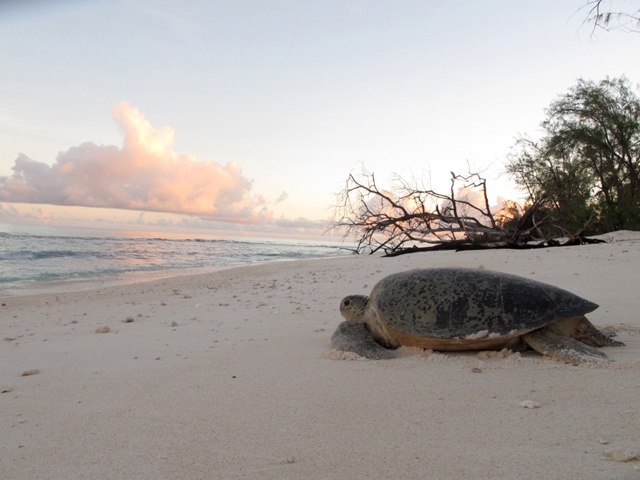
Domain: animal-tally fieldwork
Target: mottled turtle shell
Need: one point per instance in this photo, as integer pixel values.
(465, 304)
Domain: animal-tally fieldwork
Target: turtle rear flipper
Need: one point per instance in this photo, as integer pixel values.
(584, 331)
(587, 333)
(355, 337)
(562, 348)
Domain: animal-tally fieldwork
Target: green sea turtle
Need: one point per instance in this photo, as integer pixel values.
(453, 309)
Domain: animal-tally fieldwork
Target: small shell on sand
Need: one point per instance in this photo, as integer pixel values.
(529, 404)
(28, 373)
(621, 455)
(103, 329)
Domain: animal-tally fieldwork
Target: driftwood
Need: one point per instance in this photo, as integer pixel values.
(402, 219)
(464, 246)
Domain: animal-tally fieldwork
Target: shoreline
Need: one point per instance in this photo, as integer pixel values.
(74, 285)
(44, 287)
(31, 261)
(227, 375)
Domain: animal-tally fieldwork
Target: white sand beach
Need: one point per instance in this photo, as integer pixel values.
(227, 376)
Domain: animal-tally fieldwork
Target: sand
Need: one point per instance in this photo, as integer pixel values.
(228, 376)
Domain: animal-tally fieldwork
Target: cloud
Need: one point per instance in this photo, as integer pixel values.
(282, 197)
(8, 211)
(144, 174)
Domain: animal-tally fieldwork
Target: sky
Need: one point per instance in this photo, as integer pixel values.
(246, 117)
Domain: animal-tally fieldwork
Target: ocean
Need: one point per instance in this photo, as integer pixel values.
(37, 259)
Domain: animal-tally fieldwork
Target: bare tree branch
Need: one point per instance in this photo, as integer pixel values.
(601, 15)
(404, 217)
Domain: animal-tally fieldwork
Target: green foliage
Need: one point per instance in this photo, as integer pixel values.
(586, 167)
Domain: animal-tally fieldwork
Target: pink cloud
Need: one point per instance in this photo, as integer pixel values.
(144, 174)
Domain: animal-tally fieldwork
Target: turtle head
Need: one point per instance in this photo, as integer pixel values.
(352, 307)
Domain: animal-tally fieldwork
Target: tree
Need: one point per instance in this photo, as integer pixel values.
(586, 167)
(603, 17)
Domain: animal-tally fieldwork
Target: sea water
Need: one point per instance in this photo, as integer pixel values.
(35, 259)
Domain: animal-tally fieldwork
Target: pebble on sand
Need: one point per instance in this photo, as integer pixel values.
(621, 455)
(28, 373)
(103, 329)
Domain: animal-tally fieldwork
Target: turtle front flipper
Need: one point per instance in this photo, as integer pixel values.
(562, 348)
(355, 337)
